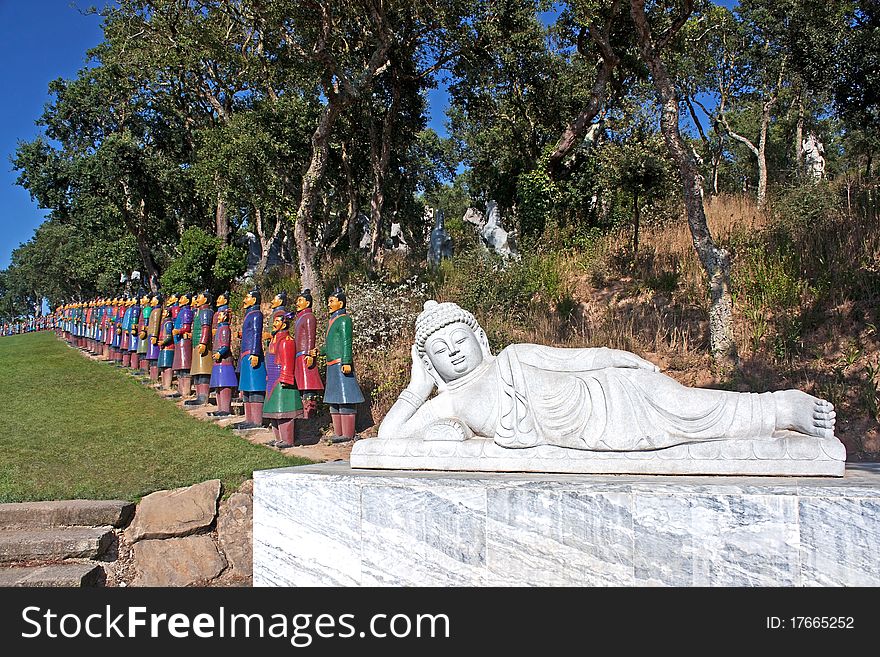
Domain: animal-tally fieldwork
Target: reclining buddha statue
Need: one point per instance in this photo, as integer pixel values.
(535, 408)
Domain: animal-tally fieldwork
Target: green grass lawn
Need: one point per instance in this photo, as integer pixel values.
(74, 428)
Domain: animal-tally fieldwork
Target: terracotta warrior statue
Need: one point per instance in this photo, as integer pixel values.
(588, 409)
(342, 392)
(283, 403)
(252, 363)
(223, 378)
(166, 342)
(142, 345)
(137, 327)
(183, 346)
(308, 380)
(202, 338)
(153, 328)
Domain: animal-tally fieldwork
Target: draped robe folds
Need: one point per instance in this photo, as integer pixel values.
(552, 396)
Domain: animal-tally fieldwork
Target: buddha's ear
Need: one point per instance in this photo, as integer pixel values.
(484, 341)
(438, 380)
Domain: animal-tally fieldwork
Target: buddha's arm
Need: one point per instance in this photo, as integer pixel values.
(408, 417)
(580, 360)
(412, 411)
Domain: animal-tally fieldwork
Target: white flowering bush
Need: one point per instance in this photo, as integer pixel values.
(384, 313)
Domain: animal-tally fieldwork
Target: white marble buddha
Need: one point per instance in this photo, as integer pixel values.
(587, 399)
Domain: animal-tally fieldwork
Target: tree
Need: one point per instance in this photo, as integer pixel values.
(715, 260)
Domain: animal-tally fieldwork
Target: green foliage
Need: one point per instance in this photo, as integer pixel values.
(482, 281)
(203, 263)
(538, 196)
(231, 263)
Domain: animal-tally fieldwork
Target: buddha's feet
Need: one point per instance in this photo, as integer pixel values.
(798, 411)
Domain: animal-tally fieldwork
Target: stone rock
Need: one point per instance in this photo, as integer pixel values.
(814, 157)
(66, 513)
(65, 575)
(177, 561)
(494, 236)
(235, 532)
(54, 543)
(247, 487)
(178, 512)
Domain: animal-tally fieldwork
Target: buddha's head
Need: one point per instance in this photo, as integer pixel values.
(450, 341)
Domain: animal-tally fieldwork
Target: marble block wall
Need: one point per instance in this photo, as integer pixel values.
(327, 524)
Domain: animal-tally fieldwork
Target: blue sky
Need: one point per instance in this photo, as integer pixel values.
(41, 40)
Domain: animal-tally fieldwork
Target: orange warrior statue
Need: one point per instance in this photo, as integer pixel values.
(202, 337)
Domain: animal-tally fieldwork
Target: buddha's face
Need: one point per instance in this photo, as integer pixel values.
(454, 351)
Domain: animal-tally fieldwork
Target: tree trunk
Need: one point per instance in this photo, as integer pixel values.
(135, 219)
(799, 137)
(575, 130)
(306, 252)
(635, 242)
(715, 260)
(380, 156)
(762, 153)
(221, 221)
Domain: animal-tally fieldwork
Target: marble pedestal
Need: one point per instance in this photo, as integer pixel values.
(327, 524)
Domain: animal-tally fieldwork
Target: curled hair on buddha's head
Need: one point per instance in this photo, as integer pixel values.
(437, 315)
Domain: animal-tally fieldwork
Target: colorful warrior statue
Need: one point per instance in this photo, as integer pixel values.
(283, 403)
(153, 325)
(105, 328)
(125, 337)
(96, 331)
(308, 380)
(223, 378)
(141, 352)
(183, 347)
(118, 314)
(166, 342)
(278, 308)
(135, 321)
(202, 338)
(251, 365)
(342, 393)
